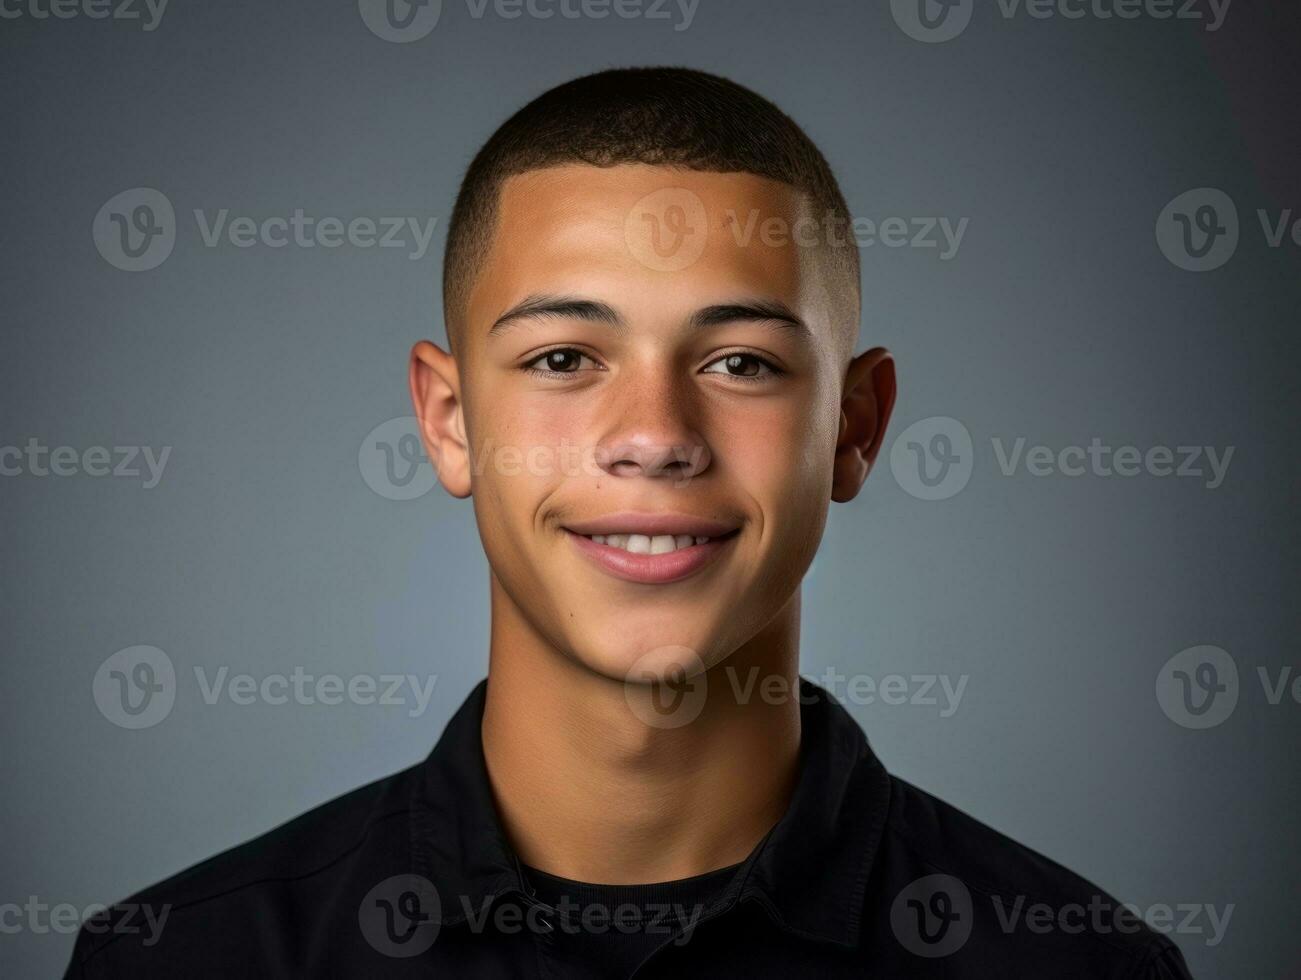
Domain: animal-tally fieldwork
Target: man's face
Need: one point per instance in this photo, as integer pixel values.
(636, 363)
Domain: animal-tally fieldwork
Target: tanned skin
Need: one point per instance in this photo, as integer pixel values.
(586, 787)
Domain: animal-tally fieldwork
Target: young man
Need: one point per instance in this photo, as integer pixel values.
(651, 398)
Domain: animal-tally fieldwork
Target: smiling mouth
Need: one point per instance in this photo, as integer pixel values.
(659, 544)
(657, 552)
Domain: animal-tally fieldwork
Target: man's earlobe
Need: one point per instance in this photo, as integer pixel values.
(864, 415)
(435, 383)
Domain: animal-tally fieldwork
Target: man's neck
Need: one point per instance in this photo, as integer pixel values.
(587, 790)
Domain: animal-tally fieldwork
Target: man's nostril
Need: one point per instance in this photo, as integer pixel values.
(672, 460)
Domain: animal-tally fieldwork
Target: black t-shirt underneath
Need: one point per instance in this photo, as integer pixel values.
(606, 931)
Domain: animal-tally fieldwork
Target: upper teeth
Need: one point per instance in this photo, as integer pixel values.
(643, 544)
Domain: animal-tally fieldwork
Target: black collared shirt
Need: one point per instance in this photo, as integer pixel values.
(412, 876)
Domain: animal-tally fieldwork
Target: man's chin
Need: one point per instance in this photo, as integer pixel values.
(643, 663)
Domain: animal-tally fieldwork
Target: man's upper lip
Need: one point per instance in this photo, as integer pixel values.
(651, 524)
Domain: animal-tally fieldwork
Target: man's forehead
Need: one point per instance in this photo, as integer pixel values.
(617, 234)
(666, 225)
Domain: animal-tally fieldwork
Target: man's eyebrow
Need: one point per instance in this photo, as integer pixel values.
(595, 311)
(758, 311)
(546, 307)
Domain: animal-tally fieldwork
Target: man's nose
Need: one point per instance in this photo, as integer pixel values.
(655, 435)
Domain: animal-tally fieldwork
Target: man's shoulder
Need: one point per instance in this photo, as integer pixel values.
(938, 834)
(940, 860)
(308, 845)
(256, 888)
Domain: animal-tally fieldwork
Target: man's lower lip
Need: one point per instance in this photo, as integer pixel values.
(655, 569)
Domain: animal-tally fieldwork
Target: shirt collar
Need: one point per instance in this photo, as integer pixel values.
(809, 873)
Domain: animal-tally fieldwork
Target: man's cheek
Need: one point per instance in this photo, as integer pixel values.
(767, 462)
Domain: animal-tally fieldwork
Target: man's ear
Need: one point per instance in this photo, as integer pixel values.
(435, 384)
(864, 414)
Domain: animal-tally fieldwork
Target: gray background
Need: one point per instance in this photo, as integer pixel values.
(263, 548)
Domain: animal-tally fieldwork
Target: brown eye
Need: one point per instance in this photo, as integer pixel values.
(562, 360)
(741, 366)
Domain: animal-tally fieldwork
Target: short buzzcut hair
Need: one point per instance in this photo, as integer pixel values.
(670, 117)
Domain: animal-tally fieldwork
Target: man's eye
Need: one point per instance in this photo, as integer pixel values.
(562, 360)
(750, 366)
